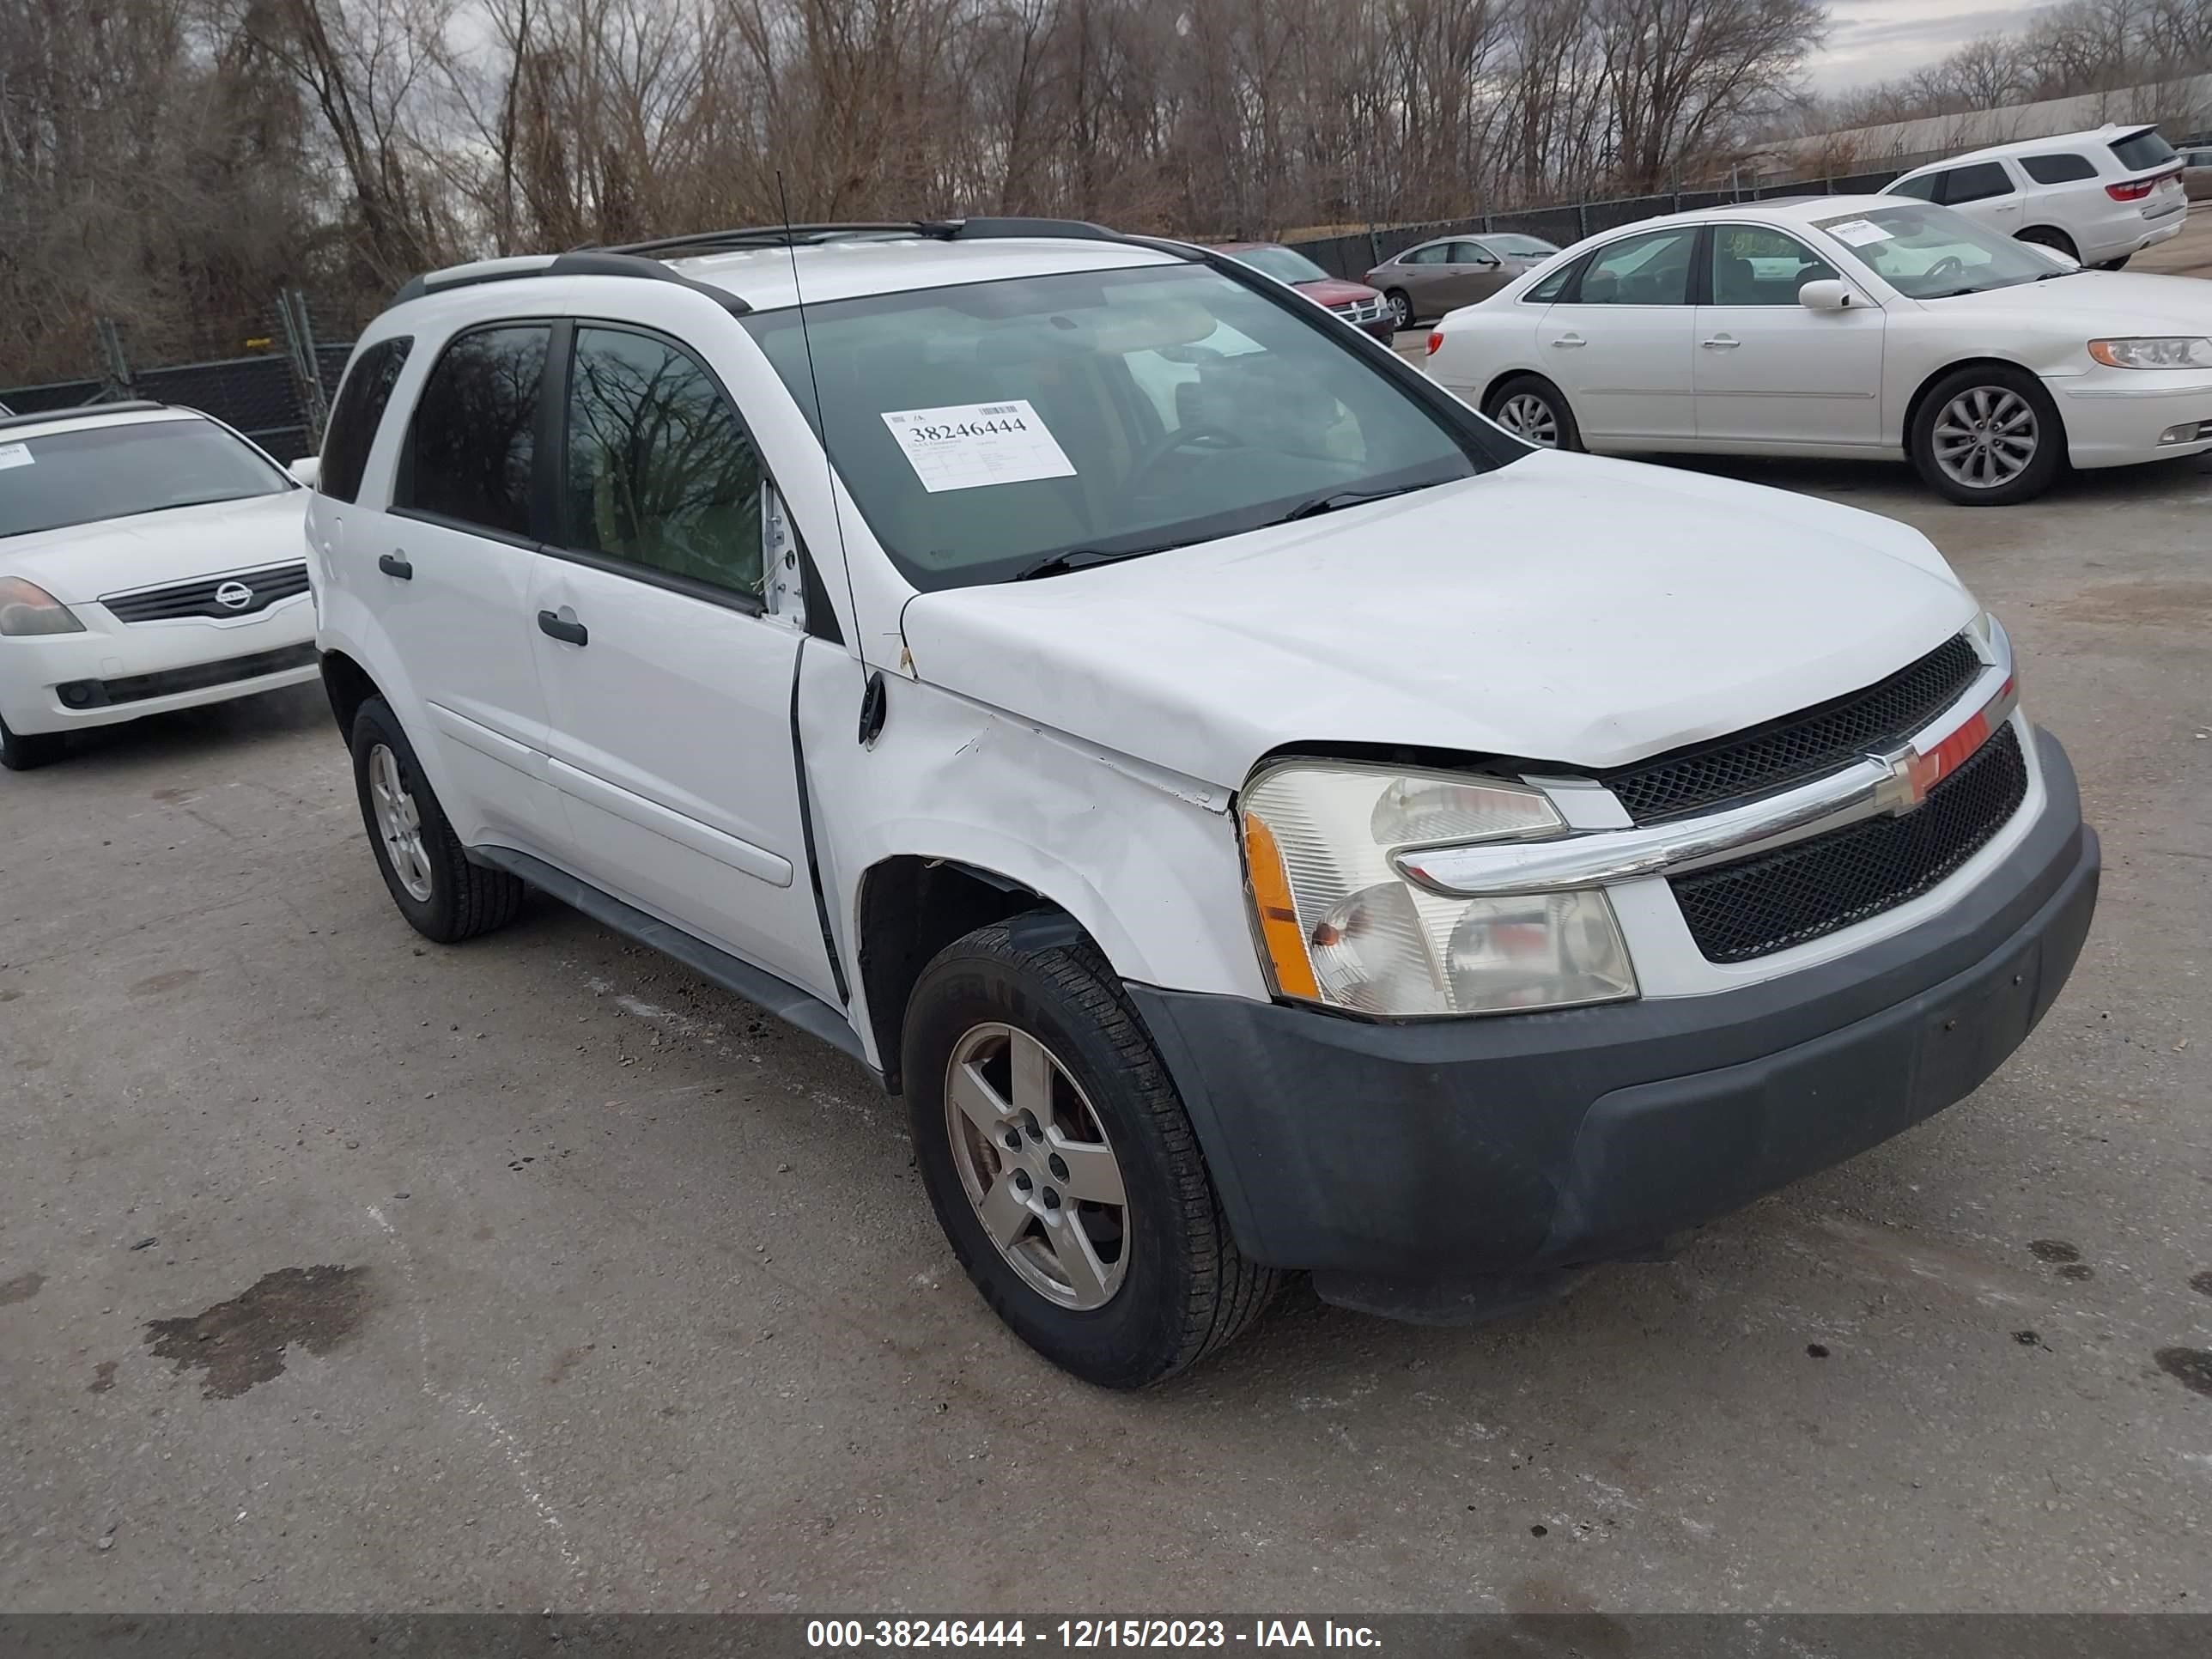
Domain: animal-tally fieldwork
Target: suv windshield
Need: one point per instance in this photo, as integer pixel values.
(63, 478)
(1283, 264)
(1929, 252)
(986, 428)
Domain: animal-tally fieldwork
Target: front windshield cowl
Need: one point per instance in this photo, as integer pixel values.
(985, 431)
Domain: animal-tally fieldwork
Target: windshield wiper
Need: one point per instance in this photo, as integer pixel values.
(1076, 558)
(1334, 499)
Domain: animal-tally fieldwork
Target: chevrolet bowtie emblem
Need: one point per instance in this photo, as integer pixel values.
(1911, 775)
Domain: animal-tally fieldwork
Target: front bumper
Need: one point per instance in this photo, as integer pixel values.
(114, 672)
(2117, 418)
(1403, 1163)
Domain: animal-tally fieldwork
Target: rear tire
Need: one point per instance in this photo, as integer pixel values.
(2058, 241)
(1987, 436)
(443, 896)
(20, 751)
(1155, 1283)
(2119, 264)
(1536, 412)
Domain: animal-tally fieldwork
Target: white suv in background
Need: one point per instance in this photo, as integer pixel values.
(1261, 816)
(2101, 197)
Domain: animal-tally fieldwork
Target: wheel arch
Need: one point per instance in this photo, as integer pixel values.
(1936, 377)
(348, 685)
(2038, 234)
(1505, 377)
(910, 908)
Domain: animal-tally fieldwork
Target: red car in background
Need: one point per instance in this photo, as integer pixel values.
(1357, 303)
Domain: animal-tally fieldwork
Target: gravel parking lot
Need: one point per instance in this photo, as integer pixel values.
(338, 1271)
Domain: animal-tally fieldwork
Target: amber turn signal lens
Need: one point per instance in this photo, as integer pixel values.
(1279, 915)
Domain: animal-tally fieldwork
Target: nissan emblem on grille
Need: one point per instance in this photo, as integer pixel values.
(234, 595)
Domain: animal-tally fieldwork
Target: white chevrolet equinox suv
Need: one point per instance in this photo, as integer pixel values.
(1262, 818)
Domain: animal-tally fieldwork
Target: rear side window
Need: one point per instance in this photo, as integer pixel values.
(2142, 151)
(468, 451)
(357, 414)
(1555, 284)
(2058, 169)
(661, 473)
(1432, 255)
(1977, 183)
(1922, 189)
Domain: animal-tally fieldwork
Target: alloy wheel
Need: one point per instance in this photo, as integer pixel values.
(1528, 418)
(398, 823)
(1986, 437)
(1033, 1157)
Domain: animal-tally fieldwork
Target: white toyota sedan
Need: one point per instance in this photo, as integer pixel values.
(150, 559)
(1845, 326)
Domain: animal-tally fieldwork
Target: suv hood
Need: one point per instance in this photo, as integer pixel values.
(1334, 291)
(1563, 608)
(79, 563)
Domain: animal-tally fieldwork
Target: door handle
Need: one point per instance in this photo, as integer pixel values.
(1721, 342)
(566, 629)
(1569, 342)
(396, 565)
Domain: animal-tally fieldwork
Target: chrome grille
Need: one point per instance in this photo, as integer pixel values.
(263, 588)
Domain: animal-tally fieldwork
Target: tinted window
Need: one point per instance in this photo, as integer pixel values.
(2142, 152)
(2058, 169)
(1753, 265)
(357, 414)
(114, 471)
(1555, 284)
(661, 472)
(985, 427)
(1976, 184)
(1922, 189)
(1651, 269)
(468, 451)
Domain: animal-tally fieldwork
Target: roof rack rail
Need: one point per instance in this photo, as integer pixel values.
(814, 234)
(578, 262)
(124, 406)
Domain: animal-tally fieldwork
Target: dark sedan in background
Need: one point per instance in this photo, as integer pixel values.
(1432, 277)
(1357, 303)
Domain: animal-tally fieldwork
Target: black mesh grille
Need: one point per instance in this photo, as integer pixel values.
(1772, 901)
(1798, 746)
(200, 676)
(197, 599)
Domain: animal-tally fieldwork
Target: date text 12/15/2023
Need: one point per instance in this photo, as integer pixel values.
(1083, 1634)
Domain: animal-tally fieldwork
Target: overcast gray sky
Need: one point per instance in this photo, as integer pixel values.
(1880, 39)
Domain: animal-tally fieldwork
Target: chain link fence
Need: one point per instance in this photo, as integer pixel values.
(277, 392)
(1353, 256)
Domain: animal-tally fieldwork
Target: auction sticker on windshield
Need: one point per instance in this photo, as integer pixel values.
(962, 445)
(1860, 233)
(20, 455)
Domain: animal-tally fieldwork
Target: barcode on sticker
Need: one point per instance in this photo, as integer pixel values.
(995, 408)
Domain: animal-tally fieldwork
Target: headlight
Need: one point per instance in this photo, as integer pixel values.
(2163, 352)
(1338, 924)
(27, 608)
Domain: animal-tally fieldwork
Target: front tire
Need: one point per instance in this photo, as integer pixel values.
(1061, 1163)
(21, 751)
(1988, 436)
(443, 896)
(1536, 412)
(1402, 308)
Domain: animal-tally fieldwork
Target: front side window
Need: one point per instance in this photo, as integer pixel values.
(1649, 270)
(2058, 169)
(1934, 253)
(96, 473)
(1471, 253)
(2139, 152)
(470, 447)
(355, 416)
(1755, 266)
(1977, 183)
(987, 429)
(661, 472)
